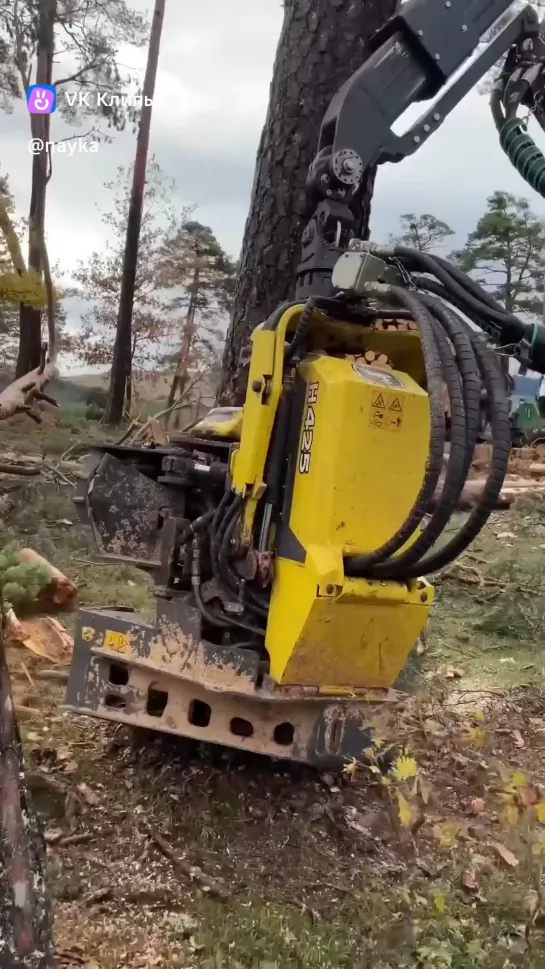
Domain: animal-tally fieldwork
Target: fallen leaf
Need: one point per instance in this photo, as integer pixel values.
(510, 814)
(505, 854)
(89, 795)
(540, 812)
(469, 881)
(53, 835)
(404, 768)
(477, 805)
(439, 902)
(70, 766)
(529, 796)
(446, 832)
(351, 768)
(506, 535)
(404, 810)
(518, 738)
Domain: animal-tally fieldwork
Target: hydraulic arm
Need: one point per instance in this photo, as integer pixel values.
(428, 44)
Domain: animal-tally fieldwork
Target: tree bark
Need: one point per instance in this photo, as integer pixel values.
(121, 359)
(30, 317)
(321, 44)
(26, 939)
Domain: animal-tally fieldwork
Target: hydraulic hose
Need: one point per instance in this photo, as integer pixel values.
(365, 564)
(515, 141)
(456, 356)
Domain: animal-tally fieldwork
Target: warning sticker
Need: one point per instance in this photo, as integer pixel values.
(387, 412)
(119, 642)
(379, 402)
(87, 633)
(377, 418)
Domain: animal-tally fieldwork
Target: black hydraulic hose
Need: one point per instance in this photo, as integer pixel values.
(301, 330)
(427, 264)
(361, 564)
(474, 288)
(460, 335)
(196, 526)
(494, 382)
(205, 612)
(457, 466)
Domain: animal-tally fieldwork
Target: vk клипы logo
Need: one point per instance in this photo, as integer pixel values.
(41, 98)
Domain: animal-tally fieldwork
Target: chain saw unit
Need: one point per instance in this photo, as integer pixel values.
(290, 539)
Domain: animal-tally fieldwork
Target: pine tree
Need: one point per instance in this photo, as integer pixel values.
(424, 232)
(506, 254)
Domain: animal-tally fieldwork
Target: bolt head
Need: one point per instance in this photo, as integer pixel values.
(257, 386)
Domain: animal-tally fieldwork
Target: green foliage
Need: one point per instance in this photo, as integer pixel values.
(19, 582)
(423, 232)
(506, 253)
(88, 38)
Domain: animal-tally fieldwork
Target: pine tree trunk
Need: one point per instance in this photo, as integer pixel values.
(321, 44)
(30, 317)
(26, 940)
(120, 374)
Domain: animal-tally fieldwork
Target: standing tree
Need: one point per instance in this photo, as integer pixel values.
(38, 39)
(506, 254)
(321, 44)
(100, 278)
(193, 258)
(423, 232)
(120, 375)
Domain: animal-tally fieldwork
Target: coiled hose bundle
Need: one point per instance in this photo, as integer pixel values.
(455, 355)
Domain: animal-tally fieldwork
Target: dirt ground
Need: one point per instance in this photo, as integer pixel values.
(284, 867)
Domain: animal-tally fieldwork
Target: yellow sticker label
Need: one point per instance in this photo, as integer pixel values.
(377, 417)
(386, 412)
(119, 642)
(87, 633)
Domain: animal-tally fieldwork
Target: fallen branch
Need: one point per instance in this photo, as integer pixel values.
(18, 469)
(206, 884)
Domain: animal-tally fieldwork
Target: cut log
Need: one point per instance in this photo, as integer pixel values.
(58, 595)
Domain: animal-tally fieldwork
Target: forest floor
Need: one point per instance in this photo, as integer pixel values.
(442, 867)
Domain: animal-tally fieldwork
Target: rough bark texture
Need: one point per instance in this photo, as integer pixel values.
(121, 375)
(25, 912)
(30, 339)
(322, 43)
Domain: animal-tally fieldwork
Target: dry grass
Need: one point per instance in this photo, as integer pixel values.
(318, 870)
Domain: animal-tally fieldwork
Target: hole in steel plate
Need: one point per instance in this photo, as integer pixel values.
(283, 734)
(157, 701)
(119, 674)
(241, 728)
(199, 713)
(114, 701)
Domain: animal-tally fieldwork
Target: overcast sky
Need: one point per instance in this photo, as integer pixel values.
(211, 98)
